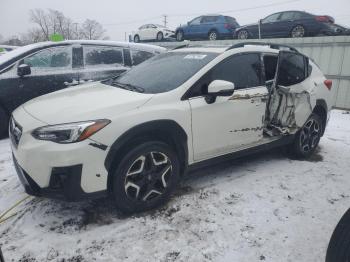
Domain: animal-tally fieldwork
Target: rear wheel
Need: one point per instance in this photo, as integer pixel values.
(298, 31)
(160, 36)
(179, 36)
(308, 137)
(136, 39)
(339, 245)
(146, 177)
(243, 34)
(4, 123)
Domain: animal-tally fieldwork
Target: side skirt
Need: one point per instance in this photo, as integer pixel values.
(285, 140)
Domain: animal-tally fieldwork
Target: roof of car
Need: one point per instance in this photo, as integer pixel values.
(21, 50)
(222, 49)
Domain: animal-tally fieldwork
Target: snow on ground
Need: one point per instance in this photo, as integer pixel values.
(265, 207)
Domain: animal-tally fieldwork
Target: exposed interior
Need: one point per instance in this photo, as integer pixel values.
(288, 105)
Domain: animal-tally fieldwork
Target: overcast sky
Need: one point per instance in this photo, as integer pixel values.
(119, 16)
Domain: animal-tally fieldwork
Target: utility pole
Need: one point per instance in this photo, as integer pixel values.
(165, 20)
(76, 30)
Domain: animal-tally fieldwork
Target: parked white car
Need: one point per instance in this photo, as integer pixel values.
(151, 32)
(135, 136)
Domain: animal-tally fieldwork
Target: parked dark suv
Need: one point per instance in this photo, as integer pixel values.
(210, 27)
(42, 68)
(290, 24)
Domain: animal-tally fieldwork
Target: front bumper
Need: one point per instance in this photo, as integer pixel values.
(62, 171)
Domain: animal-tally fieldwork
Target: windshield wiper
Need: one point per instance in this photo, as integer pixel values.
(129, 87)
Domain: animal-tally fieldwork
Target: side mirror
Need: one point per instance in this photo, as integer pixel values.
(23, 70)
(219, 88)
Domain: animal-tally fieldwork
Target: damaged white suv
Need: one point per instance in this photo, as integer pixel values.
(134, 136)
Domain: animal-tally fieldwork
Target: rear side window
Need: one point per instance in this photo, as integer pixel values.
(292, 69)
(242, 70)
(209, 19)
(231, 20)
(140, 56)
(103, 55)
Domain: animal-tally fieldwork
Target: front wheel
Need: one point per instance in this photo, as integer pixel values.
(243, 34)
(160, 36)
(136, 39)
(146, 177)
(308, 137)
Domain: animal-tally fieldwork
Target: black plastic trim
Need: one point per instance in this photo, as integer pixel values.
(153, 129)
(65, 184)
(285, 140)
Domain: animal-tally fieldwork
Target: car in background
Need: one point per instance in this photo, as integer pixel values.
(152, 32)
(339, 246)
(42, 68)
(289, 24)
(6, 48)
(210, 27)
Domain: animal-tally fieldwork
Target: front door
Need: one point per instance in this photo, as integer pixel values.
(231, 123)
(51, 70)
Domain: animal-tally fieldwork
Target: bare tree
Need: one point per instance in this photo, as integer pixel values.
(55, 22)
(92, 30)
(39, 17)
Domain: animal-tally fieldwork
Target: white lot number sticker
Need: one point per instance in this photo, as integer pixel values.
(195, 56)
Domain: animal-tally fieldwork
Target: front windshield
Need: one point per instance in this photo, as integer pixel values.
(164, 72)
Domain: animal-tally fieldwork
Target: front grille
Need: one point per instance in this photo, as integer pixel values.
(15, 131)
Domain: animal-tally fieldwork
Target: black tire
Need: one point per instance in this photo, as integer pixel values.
(4, 123)
(139, 183)
(213, 35)
(136, 39)
(339, 245)
(179, 36)
(243, 34)
(307, 138)
(298, 31)
(160, 36)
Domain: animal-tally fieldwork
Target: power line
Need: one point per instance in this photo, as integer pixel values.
(242, 9)
(194, 14)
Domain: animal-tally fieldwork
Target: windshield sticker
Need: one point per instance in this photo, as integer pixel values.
(195, 56)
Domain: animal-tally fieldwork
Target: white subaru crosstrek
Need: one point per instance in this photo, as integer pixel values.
(133, 137)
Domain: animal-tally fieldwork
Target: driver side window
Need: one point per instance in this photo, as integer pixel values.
(50, 58)
(196, 21)
(244, 70)
(272, 18)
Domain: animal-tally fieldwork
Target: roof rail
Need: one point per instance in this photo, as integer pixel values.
(271, 45)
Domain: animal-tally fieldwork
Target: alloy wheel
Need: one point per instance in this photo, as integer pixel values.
(213, 36)
(310, 135)
(179, 36)
(243, 34)
(298, 31)
(148, 176)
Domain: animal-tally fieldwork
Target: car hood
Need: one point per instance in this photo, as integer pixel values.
(86, 102)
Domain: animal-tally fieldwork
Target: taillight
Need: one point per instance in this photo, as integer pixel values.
(324, 18)
(328, 84)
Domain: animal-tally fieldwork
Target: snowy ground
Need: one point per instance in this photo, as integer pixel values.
(261, 208)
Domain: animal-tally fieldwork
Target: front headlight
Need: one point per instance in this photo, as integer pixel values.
(69, 133)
